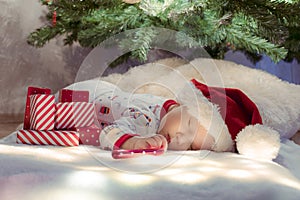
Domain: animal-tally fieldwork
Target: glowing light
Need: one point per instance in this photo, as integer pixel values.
(86, 179)
(240, 174)
(212, 163)
(168, 172)
(9, 149)
(188, 178)
(56, 153)
(288, 182)
(66, 193)
(207, 169)
(94, 168)
(135, 179)
(255, 164)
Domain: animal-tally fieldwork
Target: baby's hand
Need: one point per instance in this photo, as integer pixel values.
(156, 141)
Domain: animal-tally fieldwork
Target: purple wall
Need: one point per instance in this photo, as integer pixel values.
(288, 71)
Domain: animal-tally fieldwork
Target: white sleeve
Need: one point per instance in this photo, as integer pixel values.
(112, 137)
(133, 122)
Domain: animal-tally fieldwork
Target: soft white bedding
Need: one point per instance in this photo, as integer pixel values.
(30, 172)
(86, 172)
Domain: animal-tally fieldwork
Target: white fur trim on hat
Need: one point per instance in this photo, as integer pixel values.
(258, 141)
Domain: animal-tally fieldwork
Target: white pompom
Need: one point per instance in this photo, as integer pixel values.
(258, 141)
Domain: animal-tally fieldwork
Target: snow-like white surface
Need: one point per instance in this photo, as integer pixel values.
(30, 172)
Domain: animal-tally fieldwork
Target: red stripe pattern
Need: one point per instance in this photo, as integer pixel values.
(57, 138)
(74, 115)
(42, 112)
(32, 91)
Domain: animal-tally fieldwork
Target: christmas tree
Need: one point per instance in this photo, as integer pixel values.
(256, 27)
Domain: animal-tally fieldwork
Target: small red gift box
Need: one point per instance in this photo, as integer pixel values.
(32, 91)
(58, 138)
(73, 115)
(42, 112)
(89, 135)
(66, 95)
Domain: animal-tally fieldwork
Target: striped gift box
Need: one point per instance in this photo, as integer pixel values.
(57, 138)
(73, 115)
(32, 91)
(42, 112)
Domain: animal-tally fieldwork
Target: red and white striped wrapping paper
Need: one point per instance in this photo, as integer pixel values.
(32, 91)
(57, 138)
(73, 115)
(42, 112)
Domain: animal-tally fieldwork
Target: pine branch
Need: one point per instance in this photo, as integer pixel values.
(269, 13)
(139, 42)
(255, 44)
(258, 26)
(41, 36)
(116, 21)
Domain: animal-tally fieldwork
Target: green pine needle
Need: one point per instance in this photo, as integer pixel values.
(259, 26)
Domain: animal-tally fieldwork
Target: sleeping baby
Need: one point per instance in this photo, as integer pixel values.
(143, 121)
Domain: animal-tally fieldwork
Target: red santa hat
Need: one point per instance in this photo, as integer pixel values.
(235, 107)
(234, 121)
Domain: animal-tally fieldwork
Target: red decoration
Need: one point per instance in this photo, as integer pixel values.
(32, 91)
(66, 95)
(104, 110)
(42, 112)
(58, 138)
(54, 18)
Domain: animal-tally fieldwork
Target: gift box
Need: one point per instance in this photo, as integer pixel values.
(73, 115)
(58, 138)
(89, 135)
(42, 112)
(32, 91)
(66, 95)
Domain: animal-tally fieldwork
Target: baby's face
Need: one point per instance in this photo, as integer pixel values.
(183, 131)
